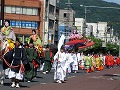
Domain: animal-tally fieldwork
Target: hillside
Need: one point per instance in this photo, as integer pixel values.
(112, 16)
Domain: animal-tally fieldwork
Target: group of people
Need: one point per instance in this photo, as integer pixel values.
(67, 62)
(21, 62)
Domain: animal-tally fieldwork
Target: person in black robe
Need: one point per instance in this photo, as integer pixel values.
(18, 58)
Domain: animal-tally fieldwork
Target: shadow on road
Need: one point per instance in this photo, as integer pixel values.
(111, 75)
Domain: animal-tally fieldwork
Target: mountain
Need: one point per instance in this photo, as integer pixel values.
(110, 15)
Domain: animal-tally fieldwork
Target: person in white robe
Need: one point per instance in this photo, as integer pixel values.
(82, 62)
(68, 62)
(59, 66)
(75, 62)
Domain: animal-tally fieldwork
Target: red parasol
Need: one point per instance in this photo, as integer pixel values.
(88, 44)
(73, 42)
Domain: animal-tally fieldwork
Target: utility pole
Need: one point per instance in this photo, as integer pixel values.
(119, 46)
(68, 16)
(2, 11)
(48, 19)
(69, 4)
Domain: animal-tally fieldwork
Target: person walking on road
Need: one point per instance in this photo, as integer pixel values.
(48, 57)
(32, 56)
(60, 70)
(18, 57)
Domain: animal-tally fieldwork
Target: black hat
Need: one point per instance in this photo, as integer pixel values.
(26, 44)
(31, 41)
(7, 21)
(62, 48)
(47, 46)
(34, 31)
(17, 39)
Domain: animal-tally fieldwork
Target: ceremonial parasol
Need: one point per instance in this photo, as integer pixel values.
(88, 44)
(73, 42)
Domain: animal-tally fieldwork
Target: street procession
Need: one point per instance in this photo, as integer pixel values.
(22, 62)
(59, 45)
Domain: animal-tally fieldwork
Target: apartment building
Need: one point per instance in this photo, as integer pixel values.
(25, 15)
(66, 22)
(51, 16)
(101, 30)
(80, 24)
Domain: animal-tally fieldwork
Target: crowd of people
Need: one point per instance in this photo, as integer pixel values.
(69, 61)
(21, 62)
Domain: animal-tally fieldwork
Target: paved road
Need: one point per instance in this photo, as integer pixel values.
(41, 79)
(108, 79)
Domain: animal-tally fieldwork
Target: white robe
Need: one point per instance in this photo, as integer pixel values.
(69, 60)
(82, 62)
(75, 62)
(59, 66)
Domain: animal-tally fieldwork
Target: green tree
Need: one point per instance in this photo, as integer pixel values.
(97, 47)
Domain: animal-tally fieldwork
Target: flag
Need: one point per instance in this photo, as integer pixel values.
(61, 41)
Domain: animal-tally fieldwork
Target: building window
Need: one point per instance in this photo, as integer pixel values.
(24, 24)
(29, 11)
(33, 25)
(18, 10)
(12, 9)
(51, 9)
(24, 11)
(35, 11)
(51, 24)
(21, 10)
(65, 15)
(8, 9)
(28, 25)
(18, 24)
(13, 23)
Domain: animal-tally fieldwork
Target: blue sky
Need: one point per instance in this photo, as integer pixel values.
(115, 1)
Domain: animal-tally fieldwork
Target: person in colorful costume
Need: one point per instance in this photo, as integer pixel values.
(101, 62)
(7, 31)
(109, 61)
(118, 61)
(38, 45)
(88, 63)
(97, 61)
(36, 39)
(32, 55)
(16, 57)
(48, 57)
(112, 61)
(8, 45)
(7, 40)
